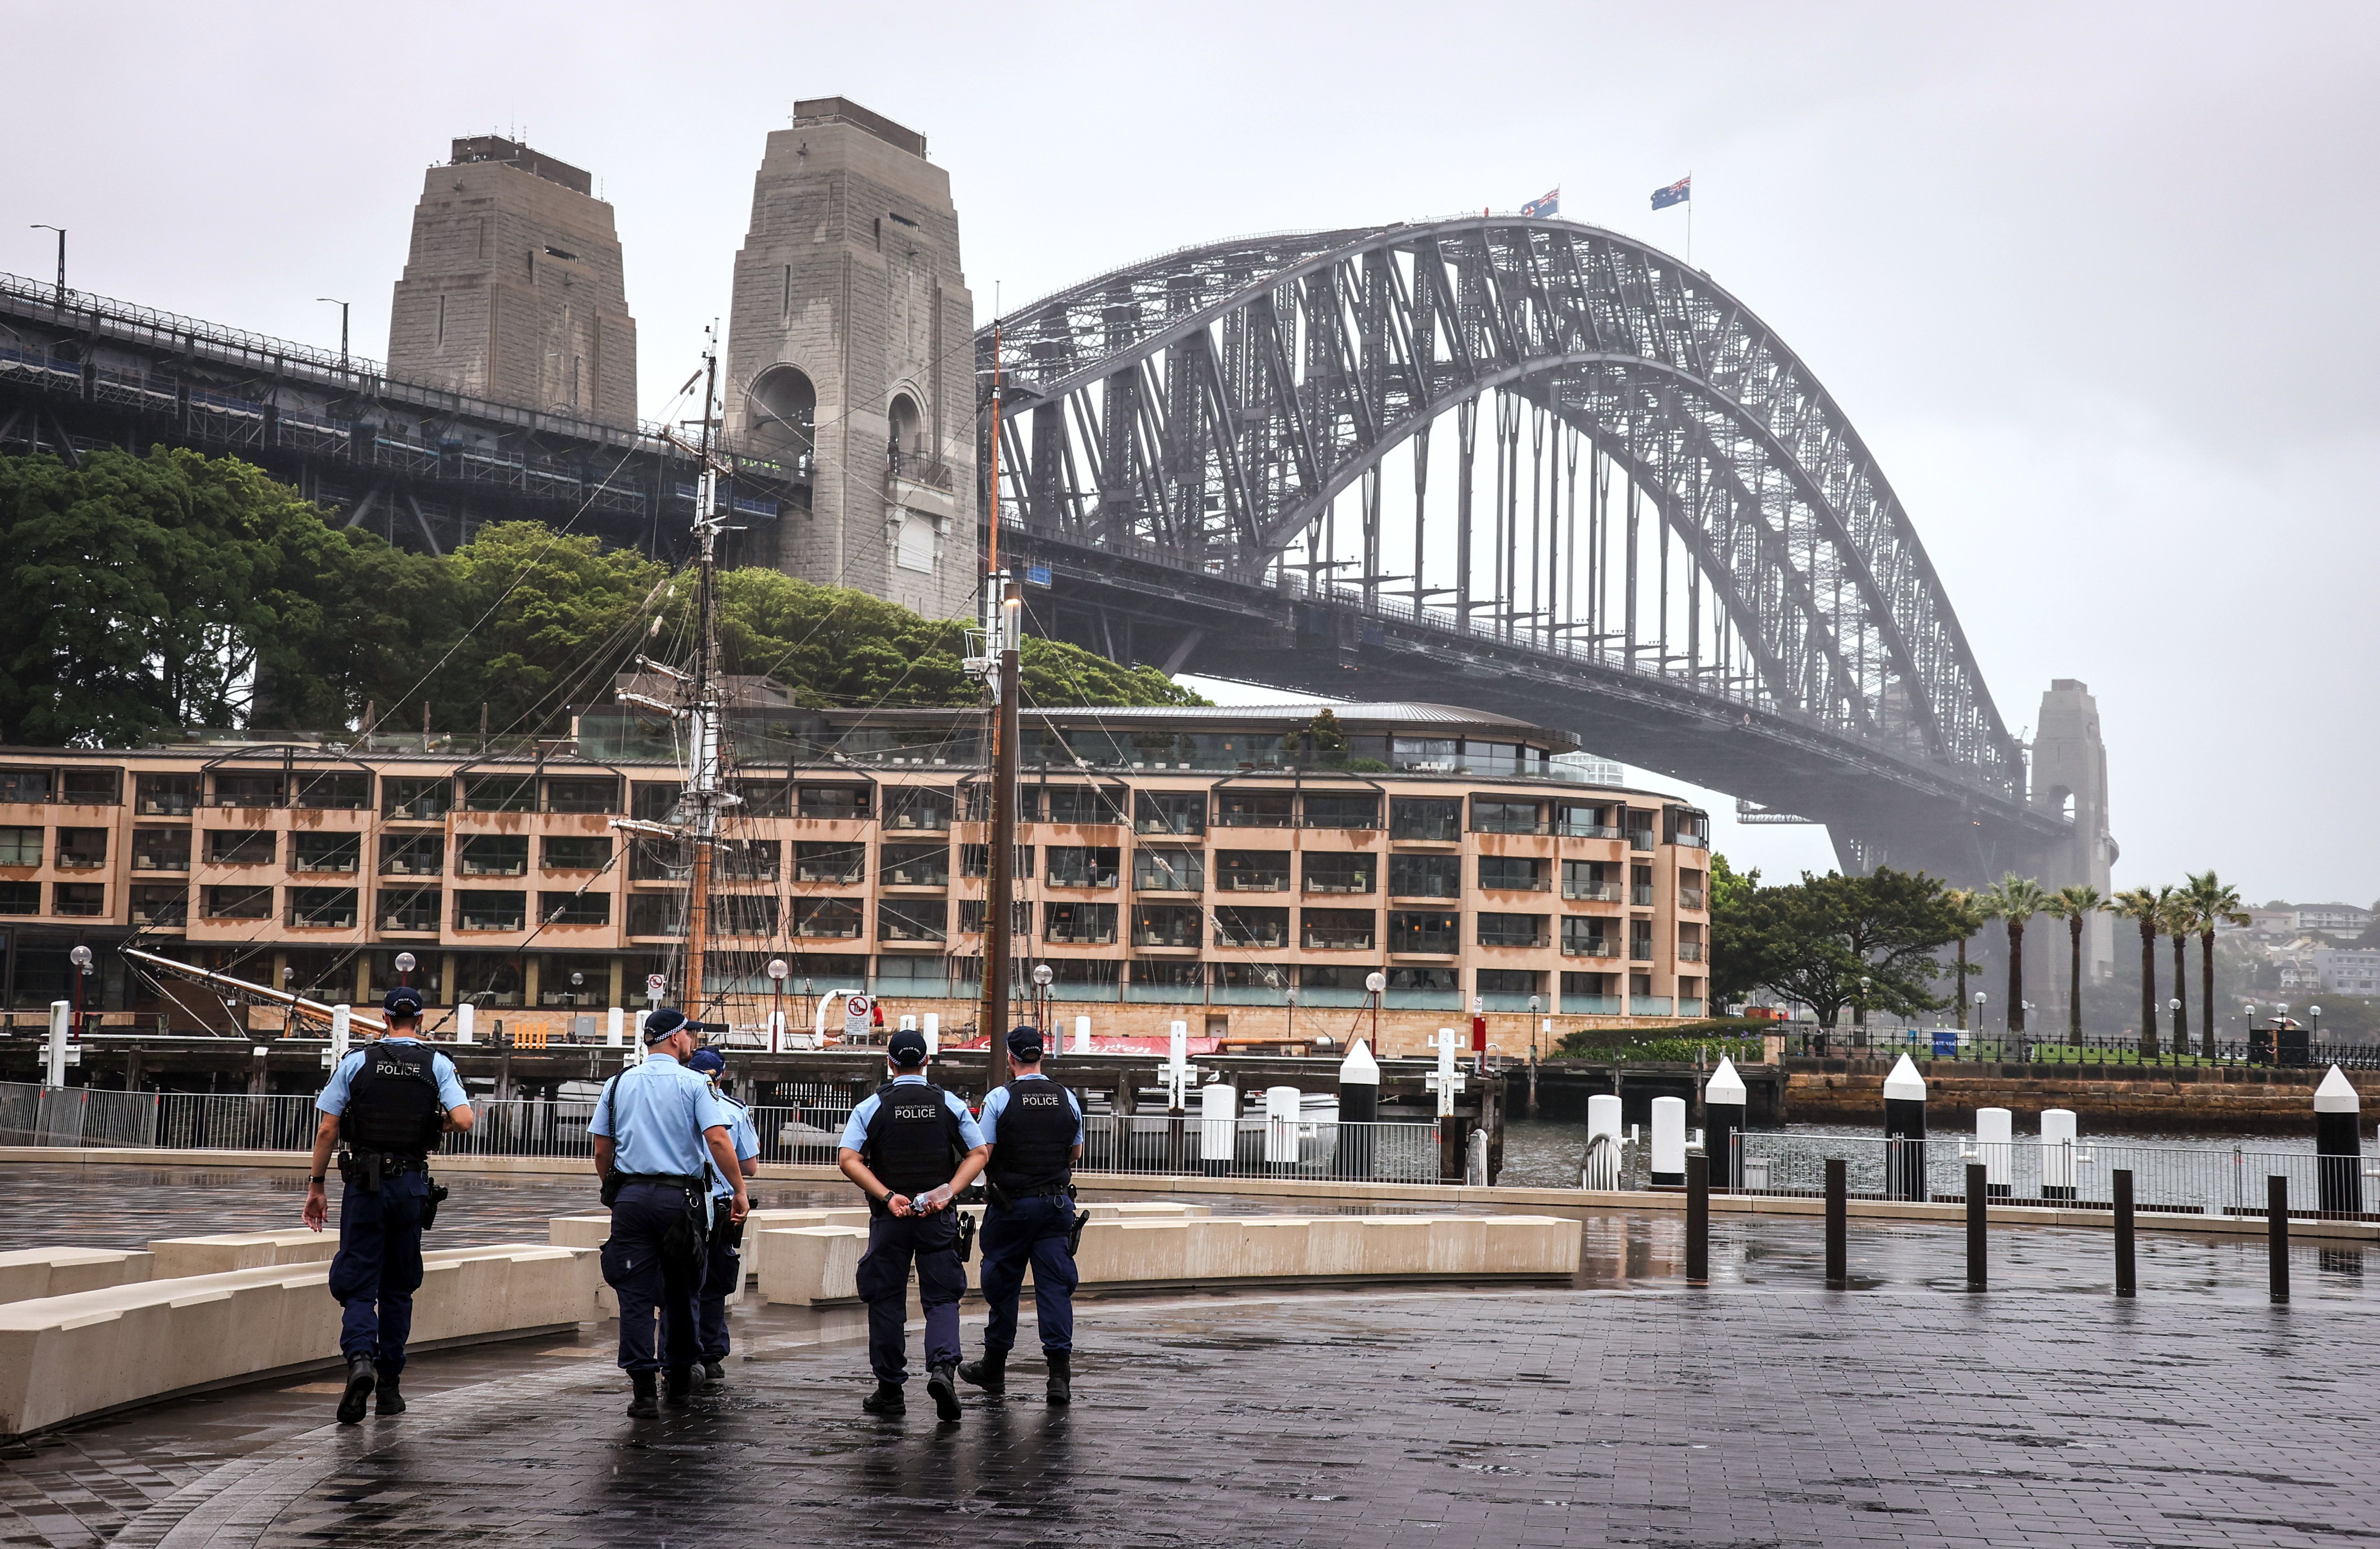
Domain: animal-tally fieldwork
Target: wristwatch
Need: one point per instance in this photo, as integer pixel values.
(320, 1177)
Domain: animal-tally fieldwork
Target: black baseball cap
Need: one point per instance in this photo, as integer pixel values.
(1024, 1042)
(663, 1022)
(403, 1001)
(906, 1046)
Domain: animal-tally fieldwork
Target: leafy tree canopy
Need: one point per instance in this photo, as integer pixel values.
(1811, 941)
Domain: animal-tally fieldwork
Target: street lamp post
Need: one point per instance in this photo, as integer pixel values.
(2313, 1015)
(778, 969)
(334, 301)
(2173, 1007)
(1043, 974)
(1374, 983)
(1290, 994)
(81, 959)
(1980, 998)
(1534, 1004)
(39, 225)
(404, 965)
(1859, 1006)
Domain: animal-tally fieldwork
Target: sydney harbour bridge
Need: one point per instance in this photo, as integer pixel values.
(1522, 465)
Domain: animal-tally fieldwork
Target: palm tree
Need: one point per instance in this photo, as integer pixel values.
(2147, 908)
(2217, 904)
(2074, 904)
(2012, 901)
(2180, 923)
(1967, 916)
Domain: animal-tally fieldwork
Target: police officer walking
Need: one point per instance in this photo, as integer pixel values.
(657, 1127)
(722, 1268)
(387, 1103)
(911, 1149)
(1035, 1129)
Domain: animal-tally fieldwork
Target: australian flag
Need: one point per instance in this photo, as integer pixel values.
(1549, 204)
(1676, 193)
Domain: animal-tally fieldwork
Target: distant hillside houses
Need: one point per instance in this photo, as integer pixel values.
(2283, 921)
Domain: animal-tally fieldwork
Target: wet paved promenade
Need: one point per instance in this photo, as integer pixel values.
(1762, 1411)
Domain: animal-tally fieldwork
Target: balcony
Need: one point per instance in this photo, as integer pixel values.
(1690, 952)
(490, 911)
(1690, 898)
(1690, 840)
(1648, 1006)
(1337, 938)
(1586, 831)
(1641, 895)
(1590, 946)
(409, 911)
(1690, 1006)
(321, 909)
(1088, 933)
(1640, 838)
(1426, 943)
(1640, 951)
(1592, 892)
(1590, 1006)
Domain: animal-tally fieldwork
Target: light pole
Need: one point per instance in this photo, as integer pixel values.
(1980, 998)
(1859, 1006)
(1376, 982)
(2173, 1006)
(39, 225)
(289, 1012)
(404, 965)
(1042, 976)
(1291, 995)
(327, 300)
(778, 969)
(81, 959)
(1533, 1003)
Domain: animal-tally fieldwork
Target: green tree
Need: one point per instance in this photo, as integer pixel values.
(1968, 915)
(1811, 941)
(2144, 908)
(2214, 903)
(1731, 966)
(2180, 922)
(2013, 900)
(2074, 904)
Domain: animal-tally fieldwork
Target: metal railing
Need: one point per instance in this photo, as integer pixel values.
(2054, 1045)
(1260, 1146)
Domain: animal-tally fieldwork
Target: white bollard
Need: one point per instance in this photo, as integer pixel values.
(1601, 1168)
(1281, 1106)
(2056, 1153)
(462, 1022)
(615, 1027)
(1995, 1148)
(1082, 1035)
(53, 1064)
(933, 1034)
(342, 1021)
(908, 1021)
(1669, 1140)
(1219, 1127)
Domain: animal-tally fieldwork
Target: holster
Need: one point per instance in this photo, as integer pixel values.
(1075, 1237)
(686, 1243)
(611, 1186)
(361, 1170)
(966, 1236)
(438, 1192)
(997, 1196)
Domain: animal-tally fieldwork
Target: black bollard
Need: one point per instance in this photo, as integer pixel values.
(1978, 1190)
(2277, 1232)
(2338, 1142)
(1359, 1109)
(1839, 1273)
(1724, 1097)
(2125, 1283)
(1698, 1171)
(1904, 1133)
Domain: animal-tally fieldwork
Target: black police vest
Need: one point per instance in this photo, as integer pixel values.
(393, 1102)
(914, 1143)
(1035, 1150)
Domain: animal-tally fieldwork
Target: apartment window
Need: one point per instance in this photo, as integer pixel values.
(1640, 941)
(743, 914)
(161, 904)
(1588, 936)
(590, 908)
(575, 981)
(323, 907)
(241, 847)
(1244, 809)
(1342, 809)
(81, 850)
(1514, 874)
(1251, 927)
(765, 799)
(164, 795)
(1690, 888)
(1340, 873)
(1590, 989)
(336, 791)
(1083, 865)
(1509, 982)
(1252, 871)
(1170, 812)
(750, 860)
(27, 785)
(1426, 876)
(493, 855)
(1590, 880)
(1639, 823)
(837, 919)
(1434, 819)
(1511, 930)
(327, 852)
(1425, 931)
(971, 914)
(499, 793)
(975, 860)
(1084, 978)
(1185, 977)
(238, 903)
(919, 807)
(411, 908)
(488, 979)
(1580, 820)
(412, 855)
(578, 854)
(656, 914)
(415, 797)
(653, 801)
(20, 898)
(491, 908)
(914, 866)
(158, 850)
(1168, 925)
(246, 790)
(580, 794)
(1685, 827)
(832, 803)
(1497, 815)
(1169, 871)
(1427, 755)
(1435, 981)
(1690, 944)
(828, 861)
(1091, 804)
(82, 899)
(1337, 930)
(91, 788)
(1240, 981)
(23, 847)
(899, 919)
(1343, 978)
(1640, 885)
(1079, 924)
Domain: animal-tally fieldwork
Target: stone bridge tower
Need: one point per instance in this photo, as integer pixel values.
(514, 289)
(851, 343)
(2070, 776)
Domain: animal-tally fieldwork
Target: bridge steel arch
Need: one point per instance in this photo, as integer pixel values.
(1195, 413)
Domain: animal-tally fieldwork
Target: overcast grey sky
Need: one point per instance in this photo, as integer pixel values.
(2093, 282)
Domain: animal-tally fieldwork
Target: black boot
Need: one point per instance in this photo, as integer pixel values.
(390, 1402)
(680, 1386)
(990, 1373)
(941, 1380)
(360, 1380)
(885, 1400)
(646, 1405)
(1062, 1375)
(713, 1371)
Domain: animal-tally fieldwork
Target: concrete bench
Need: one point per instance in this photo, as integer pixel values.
(68, 1357)
(809, 1265)
(29, 1272)
(224, 1251)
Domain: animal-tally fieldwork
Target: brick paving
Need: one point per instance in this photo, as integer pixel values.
(1624, 1410)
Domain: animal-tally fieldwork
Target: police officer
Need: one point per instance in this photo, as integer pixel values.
(911, 1148)
(722, 1268)
(1035, 1129)
(657, 1127)
(387, 1103)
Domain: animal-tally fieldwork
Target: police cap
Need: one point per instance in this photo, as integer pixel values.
(906, 1048)
(710, 1062)
(1024, 1042)
(663, 1023)
(403, 1001)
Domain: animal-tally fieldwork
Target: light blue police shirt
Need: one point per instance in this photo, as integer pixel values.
(854, 1133)
(334, 1093)
(656, 1113)
(997, 1105)
(741, 1134)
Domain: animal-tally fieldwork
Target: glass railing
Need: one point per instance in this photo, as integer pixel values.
(1592, 892)
(1590, 1006)
(1648, 1006)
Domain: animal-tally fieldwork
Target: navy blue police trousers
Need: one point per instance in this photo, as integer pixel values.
(895, 1242)
(1029, 1231)
(723, 1271)
(379, 1267)
(651, 1287)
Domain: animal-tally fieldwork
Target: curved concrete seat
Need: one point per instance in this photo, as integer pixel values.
(29, 1272)
(805, 1265)
(67, 1357)
(224, 1251)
